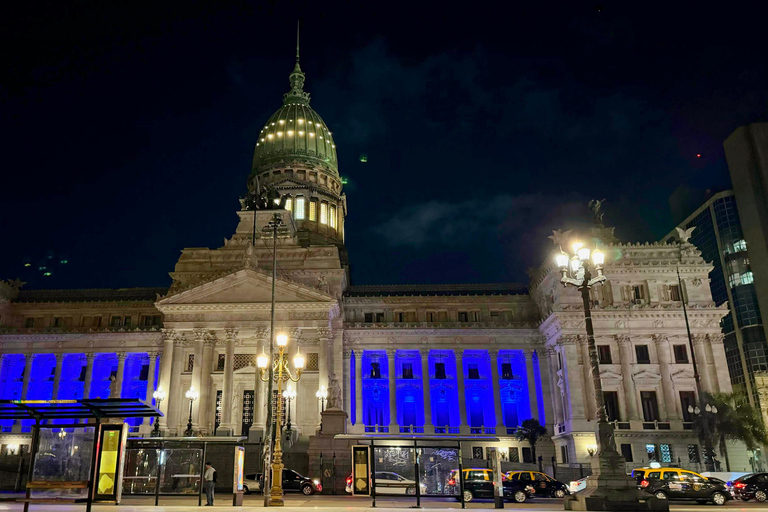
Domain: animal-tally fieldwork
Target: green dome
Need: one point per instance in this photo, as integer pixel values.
(295, 133)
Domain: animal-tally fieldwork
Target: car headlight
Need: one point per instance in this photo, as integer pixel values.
(315, 481)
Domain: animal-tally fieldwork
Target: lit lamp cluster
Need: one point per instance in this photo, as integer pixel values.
(575, 268)
(280, 372)
(192, 394)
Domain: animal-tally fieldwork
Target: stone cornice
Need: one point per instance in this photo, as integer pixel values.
(455, 333)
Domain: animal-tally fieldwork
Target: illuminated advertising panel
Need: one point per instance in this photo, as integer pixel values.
(361, 470)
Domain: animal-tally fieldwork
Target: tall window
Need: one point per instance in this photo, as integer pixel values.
(681, 354)
(506, 371)
(299, 213)
(473, 372)
(440, 371)
(333, 217)
(375, 370)
(626, 452)
(564, 454)
(674, 292)
(323, 213)
(407, 370)
(643, 356)
(312, 210)
(604, 354)
(650, 405)
(289, 203)
(463, 316)
(611, 399)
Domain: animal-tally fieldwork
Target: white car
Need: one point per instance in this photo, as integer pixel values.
(577, 485)
(391, 483)
(251, 483)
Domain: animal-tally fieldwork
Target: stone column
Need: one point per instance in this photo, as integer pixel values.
(496, 397)
(322, 357)
(207, 407)
(150, 385)
(116, 387)
(530, 355)
(57, 376)
(546, 386)
(394, 426)
(164, 382)
(630, 394)
(89, 358)
(722, 376)
(197, 373)
(29, 361)
(463, 425)
(176, 400)
(590, 410)
(227, 427)
(359, 386)
(667, 387)
(261, 403)
(427, 389)
(699, 347)
(554, 389)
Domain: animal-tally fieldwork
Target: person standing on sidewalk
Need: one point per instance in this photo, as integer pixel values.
(209, 482)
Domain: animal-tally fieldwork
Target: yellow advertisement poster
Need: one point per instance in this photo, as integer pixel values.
(108, 461)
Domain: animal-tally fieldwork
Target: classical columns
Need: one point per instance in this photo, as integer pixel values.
(425, 384)
(229, 380)
(260, 401)
(89, 357)
(531, 359)
(207, 407)
(590, 410)
(702, 362)
(165, 375)
(197, 376)
(176, 401)
(668, 390)
(630, 394)
(322, 358)
(554, 388)
(498, 414)
(359, 386)
(394, 427)
(459, 353)
(116, 387)
(150, 383)
(57, 376)
(29, 360)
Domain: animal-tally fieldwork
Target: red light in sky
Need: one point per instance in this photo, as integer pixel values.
(698, 155)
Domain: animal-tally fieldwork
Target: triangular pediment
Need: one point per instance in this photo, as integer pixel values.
(609, 374)
(646, 376)
(248, 286)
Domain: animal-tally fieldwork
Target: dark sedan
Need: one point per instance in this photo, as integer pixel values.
(294, 482)
(750, 487)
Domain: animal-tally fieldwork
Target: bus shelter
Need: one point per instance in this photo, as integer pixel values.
(76, 453)
(158, 466)
(433, 464)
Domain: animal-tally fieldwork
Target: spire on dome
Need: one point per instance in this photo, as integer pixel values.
(296, 79)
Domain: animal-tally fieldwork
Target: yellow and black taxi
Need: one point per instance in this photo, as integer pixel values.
(545, 485)
(479, 483)
(681, 484)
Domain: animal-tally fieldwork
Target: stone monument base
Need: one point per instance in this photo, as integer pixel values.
(334, 421)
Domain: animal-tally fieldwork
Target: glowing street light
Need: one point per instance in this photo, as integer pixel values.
(192, 394)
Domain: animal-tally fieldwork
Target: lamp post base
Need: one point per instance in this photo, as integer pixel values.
(610, 488)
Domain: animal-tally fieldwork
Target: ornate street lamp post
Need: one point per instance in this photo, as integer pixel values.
(281, 372)
(322, 395)
(159, 396)
(192, 394)
(609, 487)
(290, 395)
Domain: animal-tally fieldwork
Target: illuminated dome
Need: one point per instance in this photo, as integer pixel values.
(295, 134)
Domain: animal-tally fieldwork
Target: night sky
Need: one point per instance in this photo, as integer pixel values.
(128, 132)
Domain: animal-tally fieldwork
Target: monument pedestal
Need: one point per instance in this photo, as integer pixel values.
(609, 487)
(334, 421)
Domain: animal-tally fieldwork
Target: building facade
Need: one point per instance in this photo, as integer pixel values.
(438, 360)
(721, 239)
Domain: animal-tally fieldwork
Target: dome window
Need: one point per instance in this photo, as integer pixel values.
(324, 213)
(301, 121)
(289, 203)
(290, 132)
(313, 210)
(282, 121)
(298, 214)
(333, 217)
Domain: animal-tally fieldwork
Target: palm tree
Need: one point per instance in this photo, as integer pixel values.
(732, 419)
(530, 430)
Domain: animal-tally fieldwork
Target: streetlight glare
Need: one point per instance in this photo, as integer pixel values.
(598, 258)
(298, 361)
(262, 360)
(584, 253)
(561, 260)
(575, 264)
(282, 340)
(576, 246)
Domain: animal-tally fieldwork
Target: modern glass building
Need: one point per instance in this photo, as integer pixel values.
(719, 236)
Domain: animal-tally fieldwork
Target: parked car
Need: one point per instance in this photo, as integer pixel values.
(680, 484)
(577, 485)
(545, 485)
(292, 482)
(753, 486)
(479, 483)
(388, 482)
(251, 483)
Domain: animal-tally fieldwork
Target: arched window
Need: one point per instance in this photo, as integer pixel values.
(298, 214)
(323, 213)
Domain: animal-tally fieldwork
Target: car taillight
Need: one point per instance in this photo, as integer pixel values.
(451, 482)
(319, 487)
(349, 480)
(740, 485)
(644, 483)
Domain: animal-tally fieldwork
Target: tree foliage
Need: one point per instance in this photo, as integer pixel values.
(530, 430)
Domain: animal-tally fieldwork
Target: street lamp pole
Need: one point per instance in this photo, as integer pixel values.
(609, 487)
(159, 396)
(281, 372)
(290, 394)
(192, 394)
